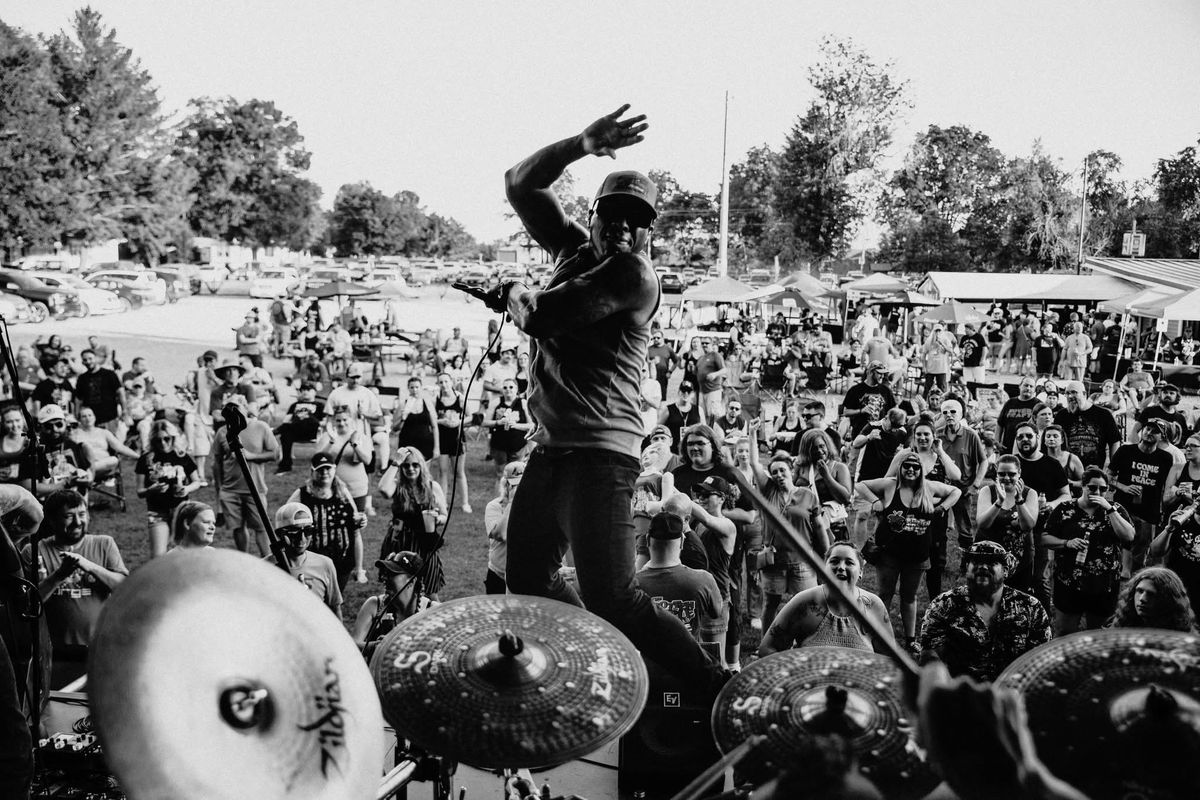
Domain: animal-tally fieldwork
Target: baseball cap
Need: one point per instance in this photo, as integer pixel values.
(1163, 386)
(662, 430)
(628, 183)
(320, 460)
(687, 386)
(210, 355)
(1156, 425)
(665, 525)
(293, 515)
(713, 484)
(877, 365)
(355, 369)
(405, 561)
(49, 413)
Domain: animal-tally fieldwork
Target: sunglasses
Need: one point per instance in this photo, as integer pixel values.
(1096, 487)
(55, 423)
(916, 467)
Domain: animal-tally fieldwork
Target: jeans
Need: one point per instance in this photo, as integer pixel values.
(582, 498)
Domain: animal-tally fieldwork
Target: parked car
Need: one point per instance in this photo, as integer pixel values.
(104, 266)
(671, 283)
(323, 275)
(128, 296)
(47, 263)
(15, 309)
(91, 300)
(421, 274)
(275, 280)
(759, 277)
(145, 283)
(386, 273)
(44, 301)
(450, 271)
(477, 277)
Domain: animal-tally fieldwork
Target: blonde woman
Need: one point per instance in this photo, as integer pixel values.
(169, 475)
(418, 512)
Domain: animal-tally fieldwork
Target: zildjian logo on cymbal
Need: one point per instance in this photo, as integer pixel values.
(330, 725)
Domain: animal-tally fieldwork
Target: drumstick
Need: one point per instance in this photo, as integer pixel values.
(906, 663)
(730, 759)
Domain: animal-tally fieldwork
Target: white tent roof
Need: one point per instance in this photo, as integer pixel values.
(986, 286)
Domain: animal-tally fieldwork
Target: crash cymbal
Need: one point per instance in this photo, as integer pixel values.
(214, 675)
(1115, 712)
(509, 681)
(793, 694)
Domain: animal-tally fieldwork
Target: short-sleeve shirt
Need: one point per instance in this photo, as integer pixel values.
(98, 391)
(973, 348)
(706, 365)
(687, 594)
(72, 609)
(1098, 570)
(1158, 412)
(1012, 414)
(965, 450)
(1148, 470)
(1044, 475)
(954, 631)
(171, 468)
(860, 395)
(318, 574)
(52, 390)
(1089, 433)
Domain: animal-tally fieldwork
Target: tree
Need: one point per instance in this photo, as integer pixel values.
(752, 214)
(445, 237)
(1043, 212)
(122, 179)
(34, 151)
(1107, 202)
(1177, 181)
(249, 160)
(828, 170)
(365, 221)
(947, 177)
(687, 223)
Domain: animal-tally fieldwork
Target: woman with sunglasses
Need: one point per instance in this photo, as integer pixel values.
(1088, 536)
(169, 475)
(910, 506)
(418, 512)
(1006, 513)
(820, 617)
(495, 523)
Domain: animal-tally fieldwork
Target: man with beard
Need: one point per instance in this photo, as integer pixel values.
(1045, 476)
(294, 524)
(65, 463)
(589, 331)
(1091, 431)
(965, 449)
(55, 388)
(1140, 474)
(1015, 411)
(1166, 409)
(871, 392)
(981, 627)
(77, 571)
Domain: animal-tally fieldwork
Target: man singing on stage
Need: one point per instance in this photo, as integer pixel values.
(590, 328)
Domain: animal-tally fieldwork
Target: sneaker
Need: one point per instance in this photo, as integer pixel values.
(370, 506)
(283, 470)
(466, 507)
(756, 623)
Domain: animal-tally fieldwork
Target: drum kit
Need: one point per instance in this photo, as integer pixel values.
(214, 675)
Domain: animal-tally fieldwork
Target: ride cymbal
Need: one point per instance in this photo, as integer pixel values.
(509, 681)
(791, 695)
(214, 675)
(1115, 712)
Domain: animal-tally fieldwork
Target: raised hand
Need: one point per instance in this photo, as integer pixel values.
(610, 133)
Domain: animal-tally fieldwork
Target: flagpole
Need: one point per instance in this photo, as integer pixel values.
(723, 233)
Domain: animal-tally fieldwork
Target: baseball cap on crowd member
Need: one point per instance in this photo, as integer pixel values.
(322, 460)
(686, 386)
(1156, 425)
(665, 525)
(293, 515)
(210, 355)
(49, 413)
(661, 430)
(1163, 386)
(877, 366)
(989, 552)
(355, 370)
(713, 484)
(404, 562)
(631, 184)
(508, 348)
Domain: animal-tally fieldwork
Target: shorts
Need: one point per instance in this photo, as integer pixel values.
(788, 579)
(1072, 601)
(717, 626)
(240, 512)
(153, 518)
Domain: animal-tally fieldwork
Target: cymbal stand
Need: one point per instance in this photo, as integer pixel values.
(413, 765)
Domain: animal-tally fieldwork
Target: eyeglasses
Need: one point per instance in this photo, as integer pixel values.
(636, 216)
(55, 423)
(1096, 487)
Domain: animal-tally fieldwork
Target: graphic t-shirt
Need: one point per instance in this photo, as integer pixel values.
(1090, 432)
(1012, 414)
(1133, 467)
(973, 348)
(72, 609)
(170, 468)
(687, 594)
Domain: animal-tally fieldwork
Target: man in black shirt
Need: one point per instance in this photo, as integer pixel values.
(101, 390)
(55, 388)
(1091, 431)
(872, 393)
(301, 424)
(1015, 411)
(1166, 409)
(1045, 476)
(1140, 474)
(973, 348)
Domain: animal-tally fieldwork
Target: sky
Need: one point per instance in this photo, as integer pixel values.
(439, 98)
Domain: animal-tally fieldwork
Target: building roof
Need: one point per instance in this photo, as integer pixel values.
(985, 286)
(1177, 273)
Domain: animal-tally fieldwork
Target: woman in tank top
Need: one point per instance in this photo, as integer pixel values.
(415, 421)
(817, 616)
(450, 405)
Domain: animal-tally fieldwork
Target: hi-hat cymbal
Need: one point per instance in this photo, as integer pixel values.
(509, 681)
(214, 675)
(794, 694)
(1115, 712)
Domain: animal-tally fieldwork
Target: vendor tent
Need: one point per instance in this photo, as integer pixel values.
(812, 287)
(719, 290)
(877, 284)
(776, 295)
(1078, 289)
(954, 313)
(1123, 303)
(1177, 306)
(910, 298)
(986, 286)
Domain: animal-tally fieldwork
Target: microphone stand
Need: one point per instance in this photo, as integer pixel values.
(34, 458)
(235, 423)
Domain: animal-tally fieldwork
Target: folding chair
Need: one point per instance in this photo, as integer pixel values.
(111, 484)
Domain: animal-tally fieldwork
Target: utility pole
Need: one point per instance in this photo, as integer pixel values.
(1082, 212)
(723, 226)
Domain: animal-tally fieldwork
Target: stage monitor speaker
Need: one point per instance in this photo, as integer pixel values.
(671, 743)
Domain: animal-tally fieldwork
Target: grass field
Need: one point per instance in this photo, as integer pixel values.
(464, 554)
